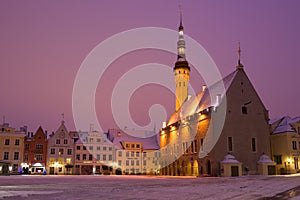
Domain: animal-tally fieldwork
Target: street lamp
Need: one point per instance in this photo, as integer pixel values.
(55, 167)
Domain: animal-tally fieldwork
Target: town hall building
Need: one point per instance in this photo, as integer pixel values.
(194, 142)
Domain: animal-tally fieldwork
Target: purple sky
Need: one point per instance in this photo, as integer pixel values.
(43, 44)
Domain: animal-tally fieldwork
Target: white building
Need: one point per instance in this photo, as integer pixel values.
(94, 154)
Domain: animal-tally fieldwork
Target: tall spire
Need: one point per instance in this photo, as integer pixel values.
(180, 26)
(181, 68)
(239, 66)
(181, 42)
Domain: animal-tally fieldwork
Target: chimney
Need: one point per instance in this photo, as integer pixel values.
(91, 127)
(218, 99)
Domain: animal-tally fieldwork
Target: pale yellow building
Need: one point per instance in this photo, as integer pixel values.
(135, 155)
(285, 144)
(11, 149)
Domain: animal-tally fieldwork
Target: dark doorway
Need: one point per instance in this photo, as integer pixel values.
(234, 171)
(208, 167)
(119, 171)
(51, 170)
(271, 170)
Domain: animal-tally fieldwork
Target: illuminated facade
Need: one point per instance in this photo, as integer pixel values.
(285, 144)
(194, 141)
(181, 70)
(135, 155)
(60, 152)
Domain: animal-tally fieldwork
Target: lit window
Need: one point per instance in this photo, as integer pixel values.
(60, 151)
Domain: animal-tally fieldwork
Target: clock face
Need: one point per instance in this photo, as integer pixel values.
(62, 134)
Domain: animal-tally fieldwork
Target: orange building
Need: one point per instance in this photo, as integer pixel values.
(35, 152)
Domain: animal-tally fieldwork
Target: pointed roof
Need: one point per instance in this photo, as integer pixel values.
(203, 99)
(117, 137)
(285, 125)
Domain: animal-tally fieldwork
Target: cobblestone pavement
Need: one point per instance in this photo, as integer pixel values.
(149, 188)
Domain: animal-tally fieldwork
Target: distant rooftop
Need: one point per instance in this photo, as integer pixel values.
(284, 125)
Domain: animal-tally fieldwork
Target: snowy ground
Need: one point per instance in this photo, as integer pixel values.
(141, 187)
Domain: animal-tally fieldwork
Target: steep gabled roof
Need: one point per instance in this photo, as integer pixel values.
(117, 137)
(203, 99)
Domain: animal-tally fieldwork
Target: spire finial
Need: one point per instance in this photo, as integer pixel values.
(180, 11)
(239, 52)
(239, 66)
(63, 118)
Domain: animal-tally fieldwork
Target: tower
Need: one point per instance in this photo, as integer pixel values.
(181, 69)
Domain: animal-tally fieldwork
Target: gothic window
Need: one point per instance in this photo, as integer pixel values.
(230, 144)
(253, 144)
(294, 145)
